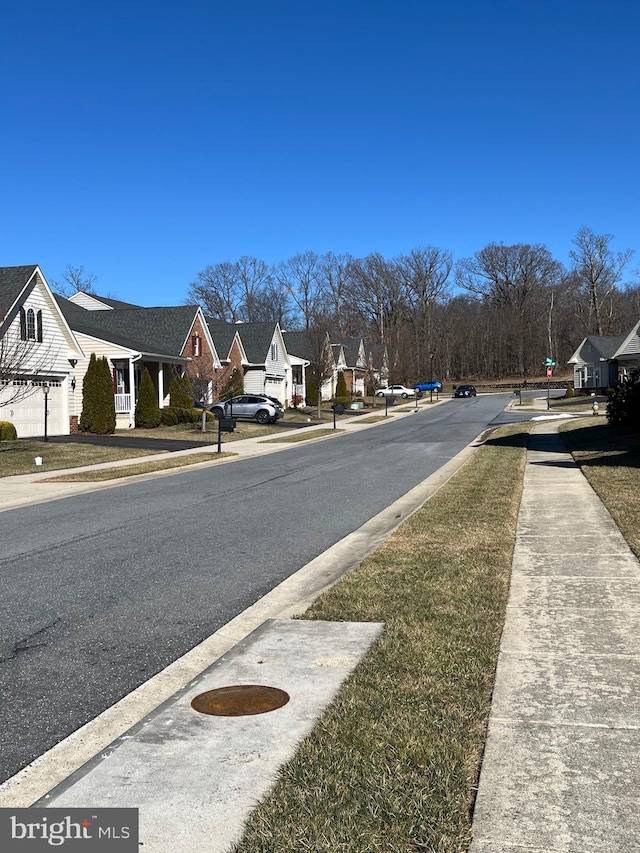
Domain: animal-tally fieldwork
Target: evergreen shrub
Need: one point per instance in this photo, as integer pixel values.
(570, 392)
(98, 401)
(7, 431)
(312, 395)
(181, 393)
(233, 386)
(147, 409)
(168, 417)
(623, 408)
(342, 395)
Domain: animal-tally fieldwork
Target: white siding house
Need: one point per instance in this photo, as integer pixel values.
(38, 352)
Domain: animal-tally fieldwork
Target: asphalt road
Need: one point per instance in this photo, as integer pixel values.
(100, 592)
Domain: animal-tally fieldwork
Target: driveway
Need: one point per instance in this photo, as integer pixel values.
(158, 444)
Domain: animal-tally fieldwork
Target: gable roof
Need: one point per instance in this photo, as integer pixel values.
(605, 345)
(630, 344)
(158, 331)
(223, 335)
(82, 297)
(13, 281)
(256, 338)
(353, 352)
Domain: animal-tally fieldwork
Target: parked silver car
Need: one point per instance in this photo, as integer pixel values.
(258, 407)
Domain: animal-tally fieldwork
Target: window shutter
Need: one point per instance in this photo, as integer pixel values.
(23, 325)
(39, 321)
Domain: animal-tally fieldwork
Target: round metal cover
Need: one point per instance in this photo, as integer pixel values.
(240, 700)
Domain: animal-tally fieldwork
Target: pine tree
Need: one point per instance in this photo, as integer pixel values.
(147, 408)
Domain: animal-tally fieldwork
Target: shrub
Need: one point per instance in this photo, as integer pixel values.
(168, 417)
(312, 395)
(196, 416)
(181, 393)
(7, 431)
(98, 402)
(342, 395)
(570, 392)
(233, 386)
(147, 409)
(623, 407)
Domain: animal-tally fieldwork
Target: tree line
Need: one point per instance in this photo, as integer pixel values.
(498, 313)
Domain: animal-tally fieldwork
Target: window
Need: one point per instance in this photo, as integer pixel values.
(31, 325)
(274, 352)
(195, 345)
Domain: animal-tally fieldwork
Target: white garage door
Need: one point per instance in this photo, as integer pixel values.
(27, 414)
(275, 388)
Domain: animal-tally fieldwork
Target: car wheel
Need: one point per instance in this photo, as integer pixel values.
(218, 413)
(404, 395)
(379, 394)
(263, 417)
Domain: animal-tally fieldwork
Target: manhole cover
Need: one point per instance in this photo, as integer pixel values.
(240, 700)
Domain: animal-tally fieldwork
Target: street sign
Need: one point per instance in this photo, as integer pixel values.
(549, 372)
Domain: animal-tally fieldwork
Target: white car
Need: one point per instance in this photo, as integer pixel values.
(396, 391)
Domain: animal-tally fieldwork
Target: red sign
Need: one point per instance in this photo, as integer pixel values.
(549, 372)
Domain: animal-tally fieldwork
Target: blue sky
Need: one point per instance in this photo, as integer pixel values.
(145, 139)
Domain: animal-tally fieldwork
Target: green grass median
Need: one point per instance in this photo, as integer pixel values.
(393, 764)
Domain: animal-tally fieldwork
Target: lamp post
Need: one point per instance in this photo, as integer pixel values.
(431, 377)
(45, 391)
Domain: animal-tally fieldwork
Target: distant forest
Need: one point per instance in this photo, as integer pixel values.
(499, 313)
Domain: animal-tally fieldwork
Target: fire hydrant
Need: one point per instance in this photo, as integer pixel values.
(595, 408)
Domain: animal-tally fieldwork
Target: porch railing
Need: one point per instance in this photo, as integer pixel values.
(123, 404)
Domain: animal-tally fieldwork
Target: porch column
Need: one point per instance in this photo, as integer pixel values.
(160, 383)
(132, 393)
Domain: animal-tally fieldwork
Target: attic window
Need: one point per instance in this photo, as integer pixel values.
(274, 352)
(195, 345)
(31, 325)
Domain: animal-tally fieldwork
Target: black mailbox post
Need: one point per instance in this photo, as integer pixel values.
(338, 409)
(225, 425)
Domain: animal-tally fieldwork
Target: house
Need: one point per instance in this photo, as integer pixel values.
(38, 352)
(628, 353)
(307, 349)
(167, 341)
(267, 369)
(601, 361)
(353, 362)
(228, 345)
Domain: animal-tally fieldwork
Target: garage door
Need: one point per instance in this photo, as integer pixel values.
(275, 388)
(27, 414)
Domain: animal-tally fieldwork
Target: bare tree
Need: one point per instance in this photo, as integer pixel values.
(599, 270)
(514, 279)
(335, 275)
(75, 280)
(301, 275)
(23, 356)
(424, 273)
(235, 291)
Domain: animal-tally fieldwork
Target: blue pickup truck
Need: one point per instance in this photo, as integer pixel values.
(428, 386)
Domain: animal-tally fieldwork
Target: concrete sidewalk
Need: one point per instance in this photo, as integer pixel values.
(561, 772)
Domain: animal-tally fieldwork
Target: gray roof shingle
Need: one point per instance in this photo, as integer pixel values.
(12, 282)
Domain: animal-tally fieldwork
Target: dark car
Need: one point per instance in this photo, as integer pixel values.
(257, 407)
(465, 391)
